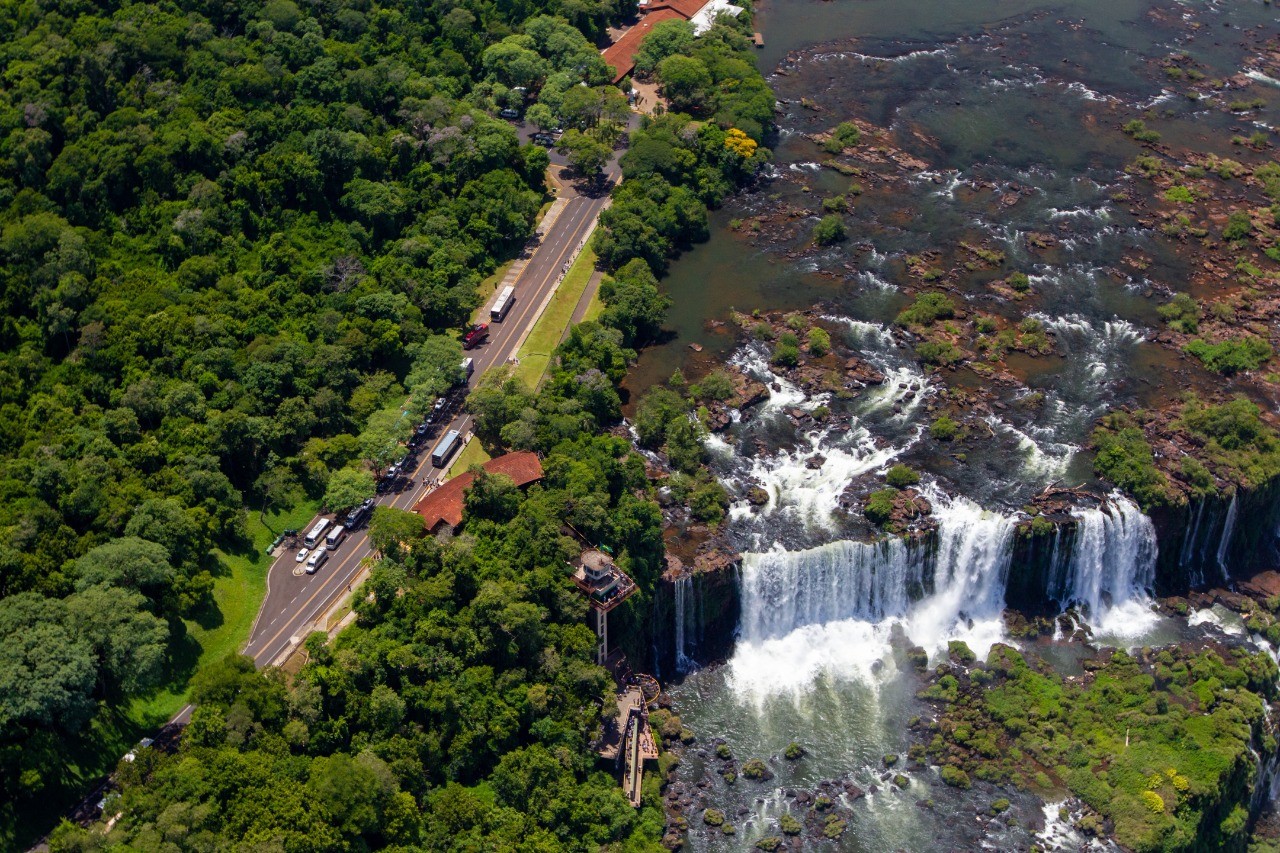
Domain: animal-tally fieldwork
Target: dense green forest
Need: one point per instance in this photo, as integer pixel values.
(236, 237)
(455, 715)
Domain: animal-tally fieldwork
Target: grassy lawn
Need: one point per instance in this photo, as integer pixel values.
(472, 454)
(535, 354)
(237, 591)
(594, 308)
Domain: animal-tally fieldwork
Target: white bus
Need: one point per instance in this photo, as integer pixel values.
(316, 533)
(446, 448)
(503, 303)
(335, 537)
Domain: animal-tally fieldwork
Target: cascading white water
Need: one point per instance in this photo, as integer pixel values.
(785, 590)
(1224, 542)
(831, 610)
(684, 594)
(1111, 566)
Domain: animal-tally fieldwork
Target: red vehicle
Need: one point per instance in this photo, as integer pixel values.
(476, 336)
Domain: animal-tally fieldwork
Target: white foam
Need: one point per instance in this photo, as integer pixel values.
(1061, 836)
(1098, 214)
(831, 611)
(1254, 74)
(1046, 463)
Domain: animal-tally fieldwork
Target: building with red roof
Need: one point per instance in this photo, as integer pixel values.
(622, 53)
(444, 505)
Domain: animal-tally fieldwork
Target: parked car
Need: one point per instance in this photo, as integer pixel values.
(509, 113)
(546, 140)
(301, 556)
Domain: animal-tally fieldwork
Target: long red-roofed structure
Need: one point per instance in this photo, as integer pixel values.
(445, 504)
(622, 53)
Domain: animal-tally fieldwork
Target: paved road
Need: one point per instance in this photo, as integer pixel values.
(293, 602)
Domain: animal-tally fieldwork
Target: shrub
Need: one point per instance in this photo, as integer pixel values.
(939, 352)
(723, 751)
(756, 769)
(1238, 226)
(1138, 130)
(1182, 313)
(844, 135)
(1124, 457)
(955, 777)
(713, 817)
(794, 751)
(1180, 194)
(789, 825)
(944, 429)
(900, 476)
(879, 506)
(830, 229)
(770, 843)
(1231, 356)
(709, 501)
(786, 354)
(833, 204)
(1019, 281)
(927, 308)
(819, 342)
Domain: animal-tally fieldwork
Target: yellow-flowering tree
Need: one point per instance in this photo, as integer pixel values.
(739, 143)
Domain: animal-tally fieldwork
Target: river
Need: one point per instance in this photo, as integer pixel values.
(1015, 110)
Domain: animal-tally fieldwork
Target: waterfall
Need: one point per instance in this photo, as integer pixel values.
(785, 590)
(831, 610)
(684, 593)
(1111, 564)
(1228, 531)
(1189, 544)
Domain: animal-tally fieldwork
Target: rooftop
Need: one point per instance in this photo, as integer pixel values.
(612, 587)
(444, 505)
(622, 53)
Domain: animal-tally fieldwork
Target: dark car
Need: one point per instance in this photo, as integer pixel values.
(546, 140)
(475, 336)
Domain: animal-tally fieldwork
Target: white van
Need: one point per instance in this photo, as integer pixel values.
(318, 559)
(335, 537)
(315, 534)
